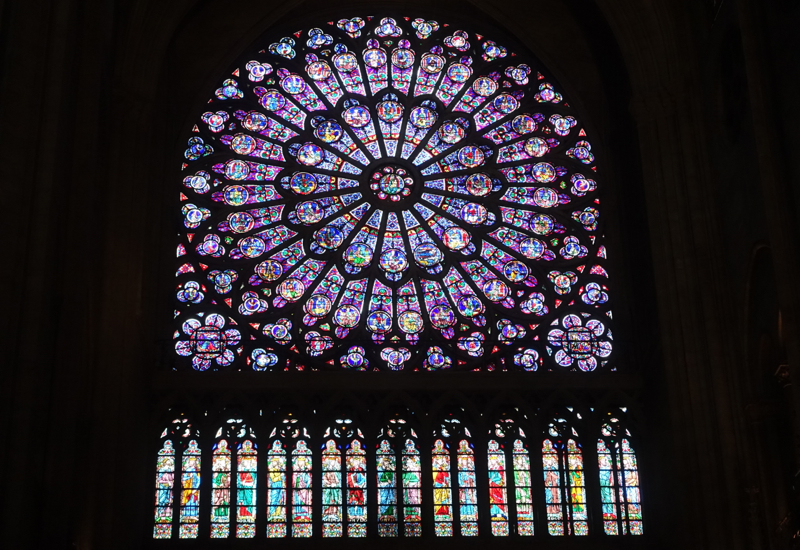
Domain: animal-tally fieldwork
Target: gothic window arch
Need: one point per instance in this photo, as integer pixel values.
(565, 476)
(399, 480)
(234, 480)
(385, 193)
(619, 476)
(289, 480)
(391, 194)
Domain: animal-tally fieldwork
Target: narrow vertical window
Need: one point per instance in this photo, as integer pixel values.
(412, 490)
(190, 494)
(619, 482)
(220, 490)
(387, 489)
(276, 491)
(356, 490)
(467, 490)
(165, 480)
(442, 490)
(565, 488)
(522, 489)
(246, 482)
(498, 496)
(331, 490)
(301, 490)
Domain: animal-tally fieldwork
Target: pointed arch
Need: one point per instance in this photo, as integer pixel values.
(564, 476)
(619, 477)
(399, 481)
(234, 479)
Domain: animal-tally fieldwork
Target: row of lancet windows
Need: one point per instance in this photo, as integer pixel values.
(290, 480)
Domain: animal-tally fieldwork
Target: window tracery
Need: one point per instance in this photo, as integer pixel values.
(396, 182)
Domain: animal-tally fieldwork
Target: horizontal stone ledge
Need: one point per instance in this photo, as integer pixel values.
(392, 381)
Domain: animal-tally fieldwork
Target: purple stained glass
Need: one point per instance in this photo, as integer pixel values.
(395, 179)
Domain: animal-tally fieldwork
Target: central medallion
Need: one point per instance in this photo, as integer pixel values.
(391, 183)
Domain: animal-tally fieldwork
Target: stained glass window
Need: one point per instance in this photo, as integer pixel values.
(564, 481)
(190, 493)
(234, 461)
(344, 482)
(331, 490)
(220, 490)
(246, 480)
(402, 181)
(276, 490)
(467, 492)
(619, 480)
(509, 478)
(301, 490)
(289, 481)
(455, 495)
(498, 494)
(165, 481)
(179, 454)
(399, 481)
(442, 490)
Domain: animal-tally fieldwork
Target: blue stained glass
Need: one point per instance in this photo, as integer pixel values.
(397, 178)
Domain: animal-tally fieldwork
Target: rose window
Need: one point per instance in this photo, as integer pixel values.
(391, 194)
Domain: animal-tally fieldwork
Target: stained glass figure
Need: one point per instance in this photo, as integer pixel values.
(165, 481)
(509, 479)
(220, 490)
(276, 490)
(467, 492)
(301, 490)
(455, 495)
(386, 463)
(246, 483)
(522, 489)
(442, 490)
(331, 490)
(190, 493)
(564, 481)
(356, 490)
(619, 480)
(394, 179)
(233, 457)
(498, 493)
(344, 481)
(178, 447)
(399, 490)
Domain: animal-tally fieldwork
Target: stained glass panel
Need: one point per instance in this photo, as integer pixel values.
(522, 489)
(356, 490)
(165, 480)
(413, 183)
(301, 490)
(331, 490)
(565, 488)
(220, 490)
(387, 489)
(412, 490)
(498, 495)
(246, 483)
(190, 493)
(276, 490)
(619, 482)
(442, 490)
(467, 491)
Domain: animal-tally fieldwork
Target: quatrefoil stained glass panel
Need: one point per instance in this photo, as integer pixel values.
(392, 194)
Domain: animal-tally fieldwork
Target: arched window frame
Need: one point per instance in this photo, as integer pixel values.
(290, 480)
(511, 504)
(399, 480)
(618, 468)
(344, 481)
(234, 480)
(564, 463)
(455, 491)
